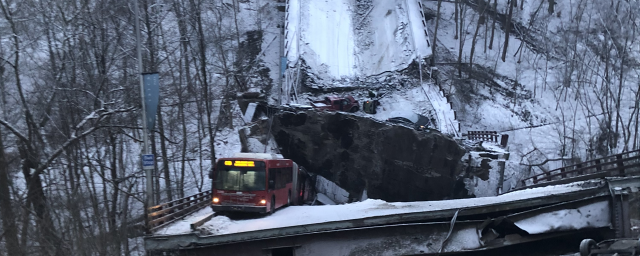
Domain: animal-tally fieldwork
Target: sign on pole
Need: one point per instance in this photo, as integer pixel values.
(283, 65)
(151, 97)
(148, 162)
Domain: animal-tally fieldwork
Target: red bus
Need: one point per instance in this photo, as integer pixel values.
(255, 182)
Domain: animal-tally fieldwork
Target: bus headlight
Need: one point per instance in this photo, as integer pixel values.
(263, 201)
(216, 200)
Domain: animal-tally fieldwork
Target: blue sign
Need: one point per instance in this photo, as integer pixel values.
(283, 65)
(151, 97)
(148, 161)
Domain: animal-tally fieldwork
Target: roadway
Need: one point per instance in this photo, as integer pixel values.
(534, 212)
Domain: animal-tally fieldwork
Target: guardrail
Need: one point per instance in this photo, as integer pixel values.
(616, 165)
(490, 136)
(166, 213)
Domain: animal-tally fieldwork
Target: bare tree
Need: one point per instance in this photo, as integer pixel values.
(435, 35)
(9, 220)
(507, 29)
(481, 20)
(494, 7)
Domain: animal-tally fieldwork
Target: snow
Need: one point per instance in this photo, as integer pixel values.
(328, 35)
(443, 111)
(258, 155)
(184, 225)
(418, 28)
(387, 37)
(251, 110)
(330, 190)
(548, 119)
(595, 215)
(303, 215)
(322, 198)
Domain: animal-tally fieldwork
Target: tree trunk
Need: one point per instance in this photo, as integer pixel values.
(203, 69)
(493, 24)
(475, 35)
(35, 193)
(182, 28)
(156, 170)
(507, 30)
(457, 14)
(460, 39)
(165, 157)
(236, 9)
(620, 85)
(113, 225)
(435, 35)
(152, 63)
(6, 210)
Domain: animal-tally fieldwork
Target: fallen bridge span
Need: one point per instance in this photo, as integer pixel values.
(429, 227)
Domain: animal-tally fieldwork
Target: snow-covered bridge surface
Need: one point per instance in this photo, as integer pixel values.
(305, 215)
(561, 208)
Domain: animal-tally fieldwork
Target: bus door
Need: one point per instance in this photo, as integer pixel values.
(295, 189)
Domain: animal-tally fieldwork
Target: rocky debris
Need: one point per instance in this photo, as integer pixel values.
(389, 162)
(254, 139)
(315, 82)
(362, 20)
(484, 167)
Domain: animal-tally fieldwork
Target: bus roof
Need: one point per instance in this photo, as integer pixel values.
(266, 156)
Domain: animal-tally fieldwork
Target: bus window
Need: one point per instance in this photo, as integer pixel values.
(272, 178)
(283, 177)
(241, 179)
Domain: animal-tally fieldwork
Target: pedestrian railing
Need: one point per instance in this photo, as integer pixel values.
(163, 214)
(623, 164)
(490, 136)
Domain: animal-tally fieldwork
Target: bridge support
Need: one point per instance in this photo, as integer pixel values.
(620, 218)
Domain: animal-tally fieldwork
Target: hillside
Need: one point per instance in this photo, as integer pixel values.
(71, 133)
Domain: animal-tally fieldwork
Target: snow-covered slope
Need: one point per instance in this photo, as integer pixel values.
(340, 39)
(552, 94)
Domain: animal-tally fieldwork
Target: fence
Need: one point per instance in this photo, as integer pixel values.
(163, 214)
(616, 165)
(491, 136)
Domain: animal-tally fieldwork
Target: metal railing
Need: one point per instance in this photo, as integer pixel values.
(490, 136)
(622, 164)
(163, 214)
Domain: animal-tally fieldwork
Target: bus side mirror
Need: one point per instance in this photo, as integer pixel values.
(211, 174)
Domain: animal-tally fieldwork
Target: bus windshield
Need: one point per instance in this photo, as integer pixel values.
(241, 179)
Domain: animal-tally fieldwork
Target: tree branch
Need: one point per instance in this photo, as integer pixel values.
(75, 137)
(14, 131)
(545, 161)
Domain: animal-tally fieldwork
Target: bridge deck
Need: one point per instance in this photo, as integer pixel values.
(298, 220)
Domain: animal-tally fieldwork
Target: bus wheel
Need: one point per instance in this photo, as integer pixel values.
(273, 204)
(586, 245)
(289, 198)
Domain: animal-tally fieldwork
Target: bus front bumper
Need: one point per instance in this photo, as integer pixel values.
(238, 208)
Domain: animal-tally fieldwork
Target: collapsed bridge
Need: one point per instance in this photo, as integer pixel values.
(596, 207)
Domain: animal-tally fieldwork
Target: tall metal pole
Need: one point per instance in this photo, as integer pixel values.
(145, 136)
(282, 42)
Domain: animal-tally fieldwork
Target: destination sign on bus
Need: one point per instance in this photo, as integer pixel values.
(240, 163)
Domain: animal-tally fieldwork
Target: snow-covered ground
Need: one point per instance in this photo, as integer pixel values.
(337, 40)
(550, 118)
(303, 215)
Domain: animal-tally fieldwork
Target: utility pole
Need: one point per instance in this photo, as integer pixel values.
(283, 64)
(145, 137)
